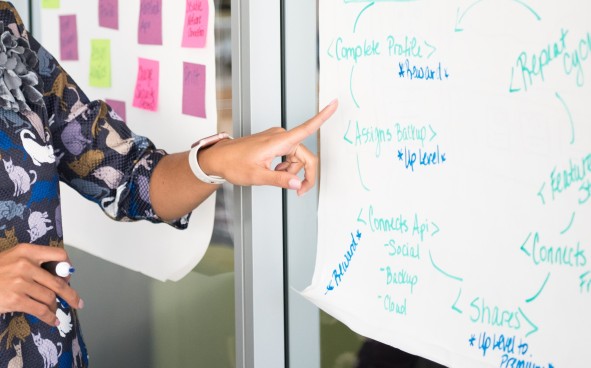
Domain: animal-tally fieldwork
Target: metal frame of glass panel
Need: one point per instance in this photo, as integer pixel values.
(256, 63)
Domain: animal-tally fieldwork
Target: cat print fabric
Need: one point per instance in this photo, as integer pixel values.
(50, 132)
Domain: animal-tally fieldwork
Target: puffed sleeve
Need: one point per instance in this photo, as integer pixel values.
(99, 156)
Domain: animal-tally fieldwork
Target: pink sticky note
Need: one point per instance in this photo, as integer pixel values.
(118, 107)
(196, 21)
(68, 37)
(150, 24)
(194, 90)
(146, 88)
(109, 13)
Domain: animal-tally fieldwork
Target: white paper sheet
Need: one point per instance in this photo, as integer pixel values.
(455, 197)
(159, 251)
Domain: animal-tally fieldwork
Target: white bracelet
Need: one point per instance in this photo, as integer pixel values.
(194, 163)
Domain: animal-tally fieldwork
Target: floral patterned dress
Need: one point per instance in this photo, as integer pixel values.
(50, 131)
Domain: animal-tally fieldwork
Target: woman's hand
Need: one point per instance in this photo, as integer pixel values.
(247, 161)
(26, 287)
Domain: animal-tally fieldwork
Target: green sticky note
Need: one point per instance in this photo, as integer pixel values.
(50, 4)
(100, 63)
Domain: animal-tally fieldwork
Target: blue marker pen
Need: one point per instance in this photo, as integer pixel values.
(61, 269)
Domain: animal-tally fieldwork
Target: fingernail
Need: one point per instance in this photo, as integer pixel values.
(81, 304)
(295, 184)
(332, 102)
(56, 323)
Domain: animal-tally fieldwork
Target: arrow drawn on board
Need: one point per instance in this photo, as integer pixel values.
(570, 224)
(360, 177)
(570, 118)
(529, 300)
(533, 326)
(442, 271)
(359, 15)
(351, 86)
(460, 15)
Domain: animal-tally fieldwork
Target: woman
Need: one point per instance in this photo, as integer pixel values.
(51, 131)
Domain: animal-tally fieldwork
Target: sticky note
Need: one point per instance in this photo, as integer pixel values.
(196, 21)
(150, 23)
(194, 90)
(118, 107)
(100, 63)
(68, 37)
(109, 14)
(50, 4)
(146, 87)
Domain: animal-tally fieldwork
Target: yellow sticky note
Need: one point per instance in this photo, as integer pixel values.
(50, 4)
(100, 63)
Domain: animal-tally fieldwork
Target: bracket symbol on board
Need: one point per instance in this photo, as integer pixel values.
(511, 88)
(330, 48)
(436, 229)
(347, 133)
(461, 15)
(535, 241)
(433, 49)
(541, 194)
(433, 132)
(360, 219)
(533, 325)
(455, 305)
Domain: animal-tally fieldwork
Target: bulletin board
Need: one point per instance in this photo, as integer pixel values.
(455, 196)
(153, 61)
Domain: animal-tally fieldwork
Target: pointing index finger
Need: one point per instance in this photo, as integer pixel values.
(311, 126)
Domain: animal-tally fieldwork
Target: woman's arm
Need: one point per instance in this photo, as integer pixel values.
(175, 191)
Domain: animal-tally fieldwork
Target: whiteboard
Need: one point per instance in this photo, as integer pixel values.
(159, 251)
(455, 196)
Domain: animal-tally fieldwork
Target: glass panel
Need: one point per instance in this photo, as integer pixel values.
(343, 348)
(131, 320)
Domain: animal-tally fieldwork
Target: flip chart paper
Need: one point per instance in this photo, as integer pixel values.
(196, 23)
(118, 107)
(100, 63)
(194, 90)
(109, 13)
(147, 85)
(50, 4)
(150, 23)
(455, 191)
(68, 37)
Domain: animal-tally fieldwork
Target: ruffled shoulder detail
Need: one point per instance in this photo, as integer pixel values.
(19, 84)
